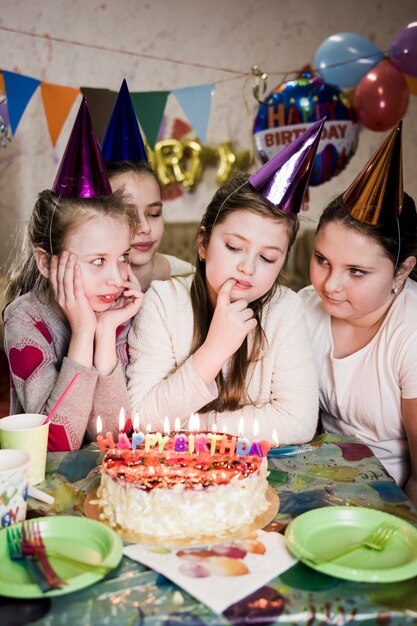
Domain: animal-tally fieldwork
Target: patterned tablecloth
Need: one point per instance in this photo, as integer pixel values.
(333, 471)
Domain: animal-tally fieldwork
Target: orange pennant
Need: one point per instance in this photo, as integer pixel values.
(2, 87)
(57, 103)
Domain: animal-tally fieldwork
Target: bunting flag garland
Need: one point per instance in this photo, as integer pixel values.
(19, 90)
(149, 108)
(196, 104)
(57, 103)
(58, 100)
(100, 104)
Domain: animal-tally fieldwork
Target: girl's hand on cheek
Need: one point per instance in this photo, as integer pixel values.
(68, 291)
(126, 305)
(231, 322)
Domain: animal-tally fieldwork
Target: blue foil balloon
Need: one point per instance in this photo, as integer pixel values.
(122, 140)
(292, 107)
(345, 58)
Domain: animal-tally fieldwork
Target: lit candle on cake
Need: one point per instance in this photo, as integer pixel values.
(214, 438)
(226, 443)
(122, 440)
(163, 439)
(243, 444)
(150, 438)
(256, 446)
(103, 442)
(137, 436)
(177, 424)
(201, 439)
(267, 444)
(192, 427)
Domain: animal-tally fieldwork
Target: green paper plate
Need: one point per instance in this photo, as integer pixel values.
(76, 537)
(327, 530)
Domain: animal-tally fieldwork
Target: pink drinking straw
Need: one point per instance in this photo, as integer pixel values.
(61, 399)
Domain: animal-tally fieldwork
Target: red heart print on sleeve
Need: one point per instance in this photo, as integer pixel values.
(25, 361)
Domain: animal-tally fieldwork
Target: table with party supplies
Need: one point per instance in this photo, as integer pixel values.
(327, 489)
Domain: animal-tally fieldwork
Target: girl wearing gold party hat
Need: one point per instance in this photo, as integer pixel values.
(361, 311)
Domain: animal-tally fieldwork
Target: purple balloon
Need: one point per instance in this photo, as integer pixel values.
(403, 50)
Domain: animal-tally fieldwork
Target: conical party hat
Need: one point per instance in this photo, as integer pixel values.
(283, 179)
(376, 194)
(82, 173)
(122, 139)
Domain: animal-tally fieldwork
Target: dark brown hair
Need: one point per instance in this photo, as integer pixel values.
(234, 195)
(115, 168)
(386, 235)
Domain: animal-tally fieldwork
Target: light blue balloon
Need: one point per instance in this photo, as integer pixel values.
(345, 58)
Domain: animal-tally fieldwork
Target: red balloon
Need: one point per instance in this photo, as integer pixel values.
(381, 98)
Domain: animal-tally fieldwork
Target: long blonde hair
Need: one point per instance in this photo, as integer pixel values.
(235, 195)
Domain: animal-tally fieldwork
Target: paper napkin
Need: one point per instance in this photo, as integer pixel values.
(219, 575)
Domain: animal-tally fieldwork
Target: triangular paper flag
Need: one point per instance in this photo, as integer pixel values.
(2, 87)
(57, 103)
(100, 104)
(196, 103)
(19, 90)
(149, 107)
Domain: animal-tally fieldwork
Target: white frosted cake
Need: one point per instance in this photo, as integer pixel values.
(181, 495)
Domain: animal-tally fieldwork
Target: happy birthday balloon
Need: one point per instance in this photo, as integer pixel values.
(292, 107)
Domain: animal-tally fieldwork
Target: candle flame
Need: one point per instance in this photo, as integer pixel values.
(224, 429)
(214, 428)
(177, 424)
(121, 419)
(167, 428)
(274, 436)
(148, 428)
(194, 423)
(136, 422)
(255, 428)
(241, 427)
(99, 425)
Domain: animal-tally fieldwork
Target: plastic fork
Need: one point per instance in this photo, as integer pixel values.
(14, 547)
(39, 555)
(34, 538)
(377, 540)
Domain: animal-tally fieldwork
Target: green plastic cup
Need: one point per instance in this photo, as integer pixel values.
(27, 432)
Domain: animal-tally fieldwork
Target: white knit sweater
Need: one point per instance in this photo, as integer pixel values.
(162, 380)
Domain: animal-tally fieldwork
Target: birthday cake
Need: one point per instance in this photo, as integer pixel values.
(176, 495)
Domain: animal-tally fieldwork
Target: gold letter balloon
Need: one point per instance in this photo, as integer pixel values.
(181, 161)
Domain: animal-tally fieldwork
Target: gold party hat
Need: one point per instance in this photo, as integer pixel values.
(376, 194)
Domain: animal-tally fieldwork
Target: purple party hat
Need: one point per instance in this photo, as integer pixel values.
(82, 173)
(122, 139)
(283, 180)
